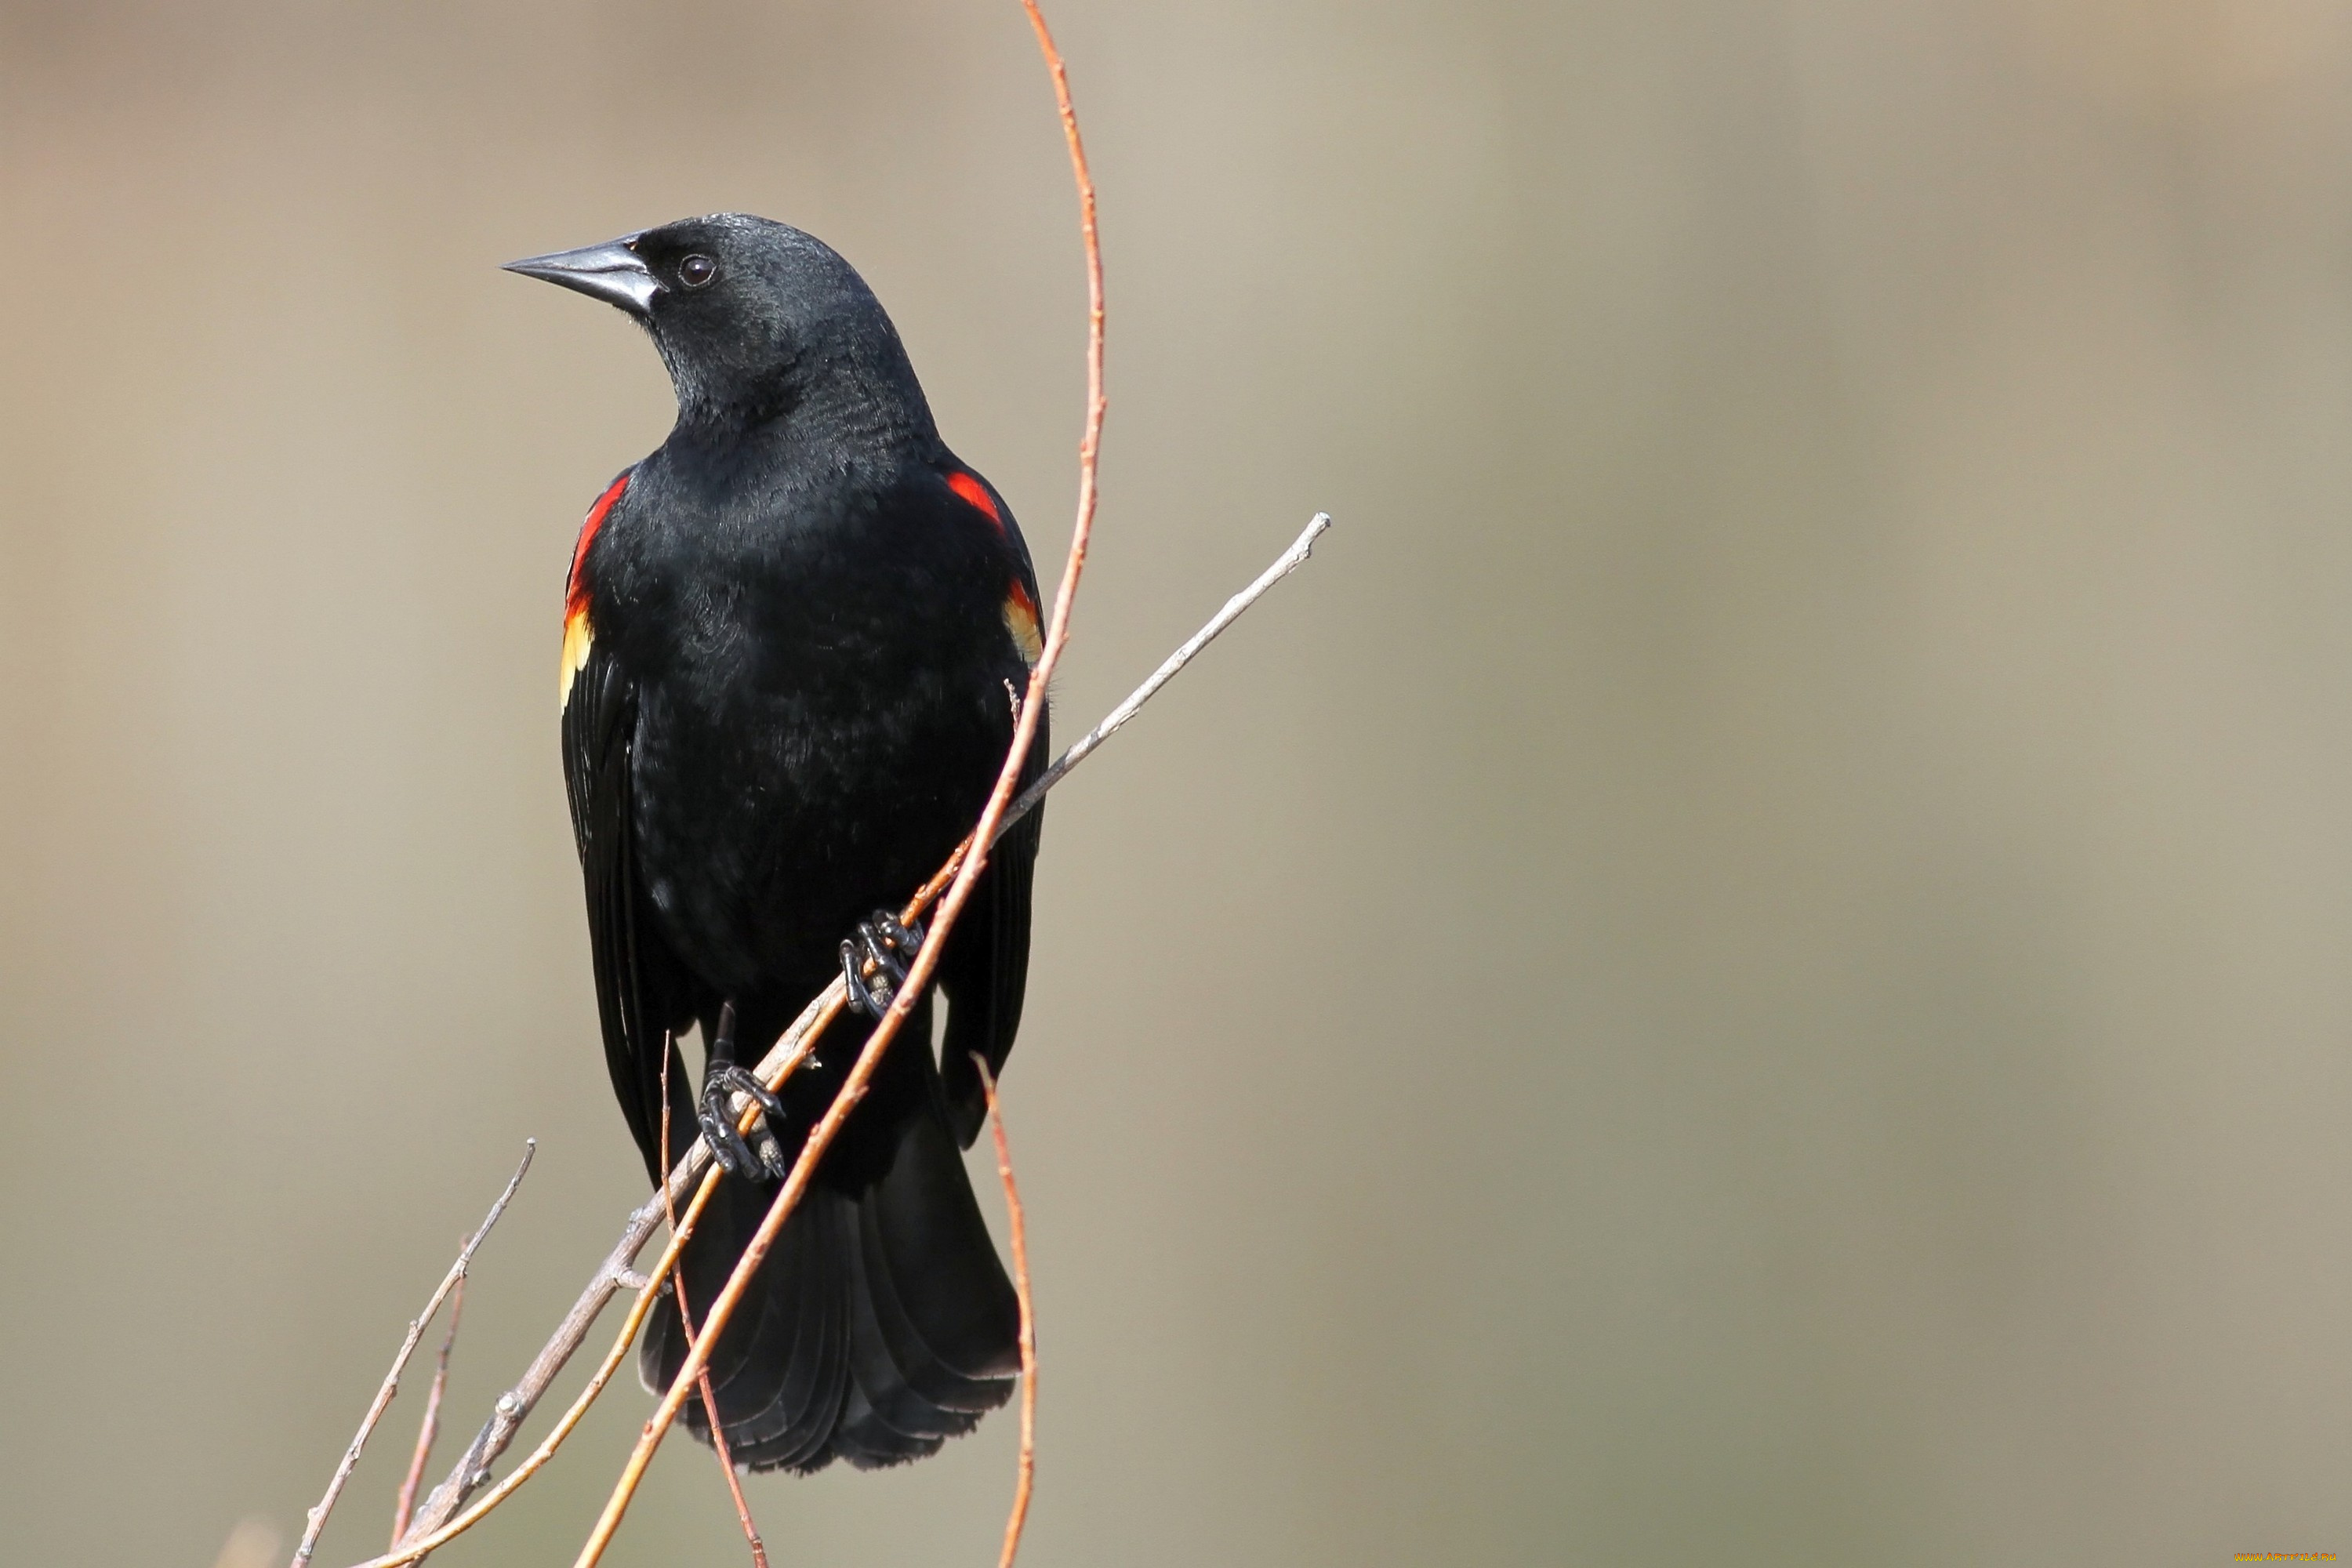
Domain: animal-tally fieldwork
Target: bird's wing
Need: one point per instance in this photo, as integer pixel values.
(637, 978)
(985, 969)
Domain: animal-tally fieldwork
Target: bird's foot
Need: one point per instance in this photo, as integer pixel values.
(762, 1155)
(873, 961)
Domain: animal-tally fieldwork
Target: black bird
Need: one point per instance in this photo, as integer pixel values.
(788, 641)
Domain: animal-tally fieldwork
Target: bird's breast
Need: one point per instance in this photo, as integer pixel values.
(804, 760)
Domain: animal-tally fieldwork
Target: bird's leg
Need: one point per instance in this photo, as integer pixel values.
(873, 961)
(721, 1081)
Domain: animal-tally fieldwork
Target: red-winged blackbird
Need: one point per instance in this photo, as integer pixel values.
(788, 641)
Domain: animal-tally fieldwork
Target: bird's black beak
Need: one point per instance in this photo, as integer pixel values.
(611, 272)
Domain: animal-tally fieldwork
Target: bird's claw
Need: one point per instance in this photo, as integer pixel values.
(737, 1156)
(873, 961)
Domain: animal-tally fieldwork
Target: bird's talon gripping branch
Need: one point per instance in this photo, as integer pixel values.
(719, 1118)
(874, 962)
(728, 1146)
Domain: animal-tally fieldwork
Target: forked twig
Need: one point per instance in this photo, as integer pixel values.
(435, 1525)
(425, 1537)
(435, 1528)
(1017, 1222)
(317, 1519)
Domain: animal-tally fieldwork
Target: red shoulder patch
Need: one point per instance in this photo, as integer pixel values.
(576, 592)
(578, 635)
(969, 487)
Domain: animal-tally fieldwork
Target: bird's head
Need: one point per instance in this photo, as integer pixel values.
(755, 320)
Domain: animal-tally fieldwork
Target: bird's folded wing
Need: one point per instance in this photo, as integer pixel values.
(633, 968)
(985, 969)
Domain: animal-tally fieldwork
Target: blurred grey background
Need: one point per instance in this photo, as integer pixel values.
(1751, 965)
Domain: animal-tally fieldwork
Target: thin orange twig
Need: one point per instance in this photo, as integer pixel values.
(1019, 1224)
(686, 1324)
(429, 1427)
(958, 893)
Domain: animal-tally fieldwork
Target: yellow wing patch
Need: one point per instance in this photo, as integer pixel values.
(578, 638)
(1021, 620)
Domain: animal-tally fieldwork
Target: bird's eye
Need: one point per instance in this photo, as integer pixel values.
(696, 270)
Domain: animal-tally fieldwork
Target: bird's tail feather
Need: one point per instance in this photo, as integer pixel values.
(880, 1323)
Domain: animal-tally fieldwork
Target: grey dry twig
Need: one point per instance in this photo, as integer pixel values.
(318, 1517)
